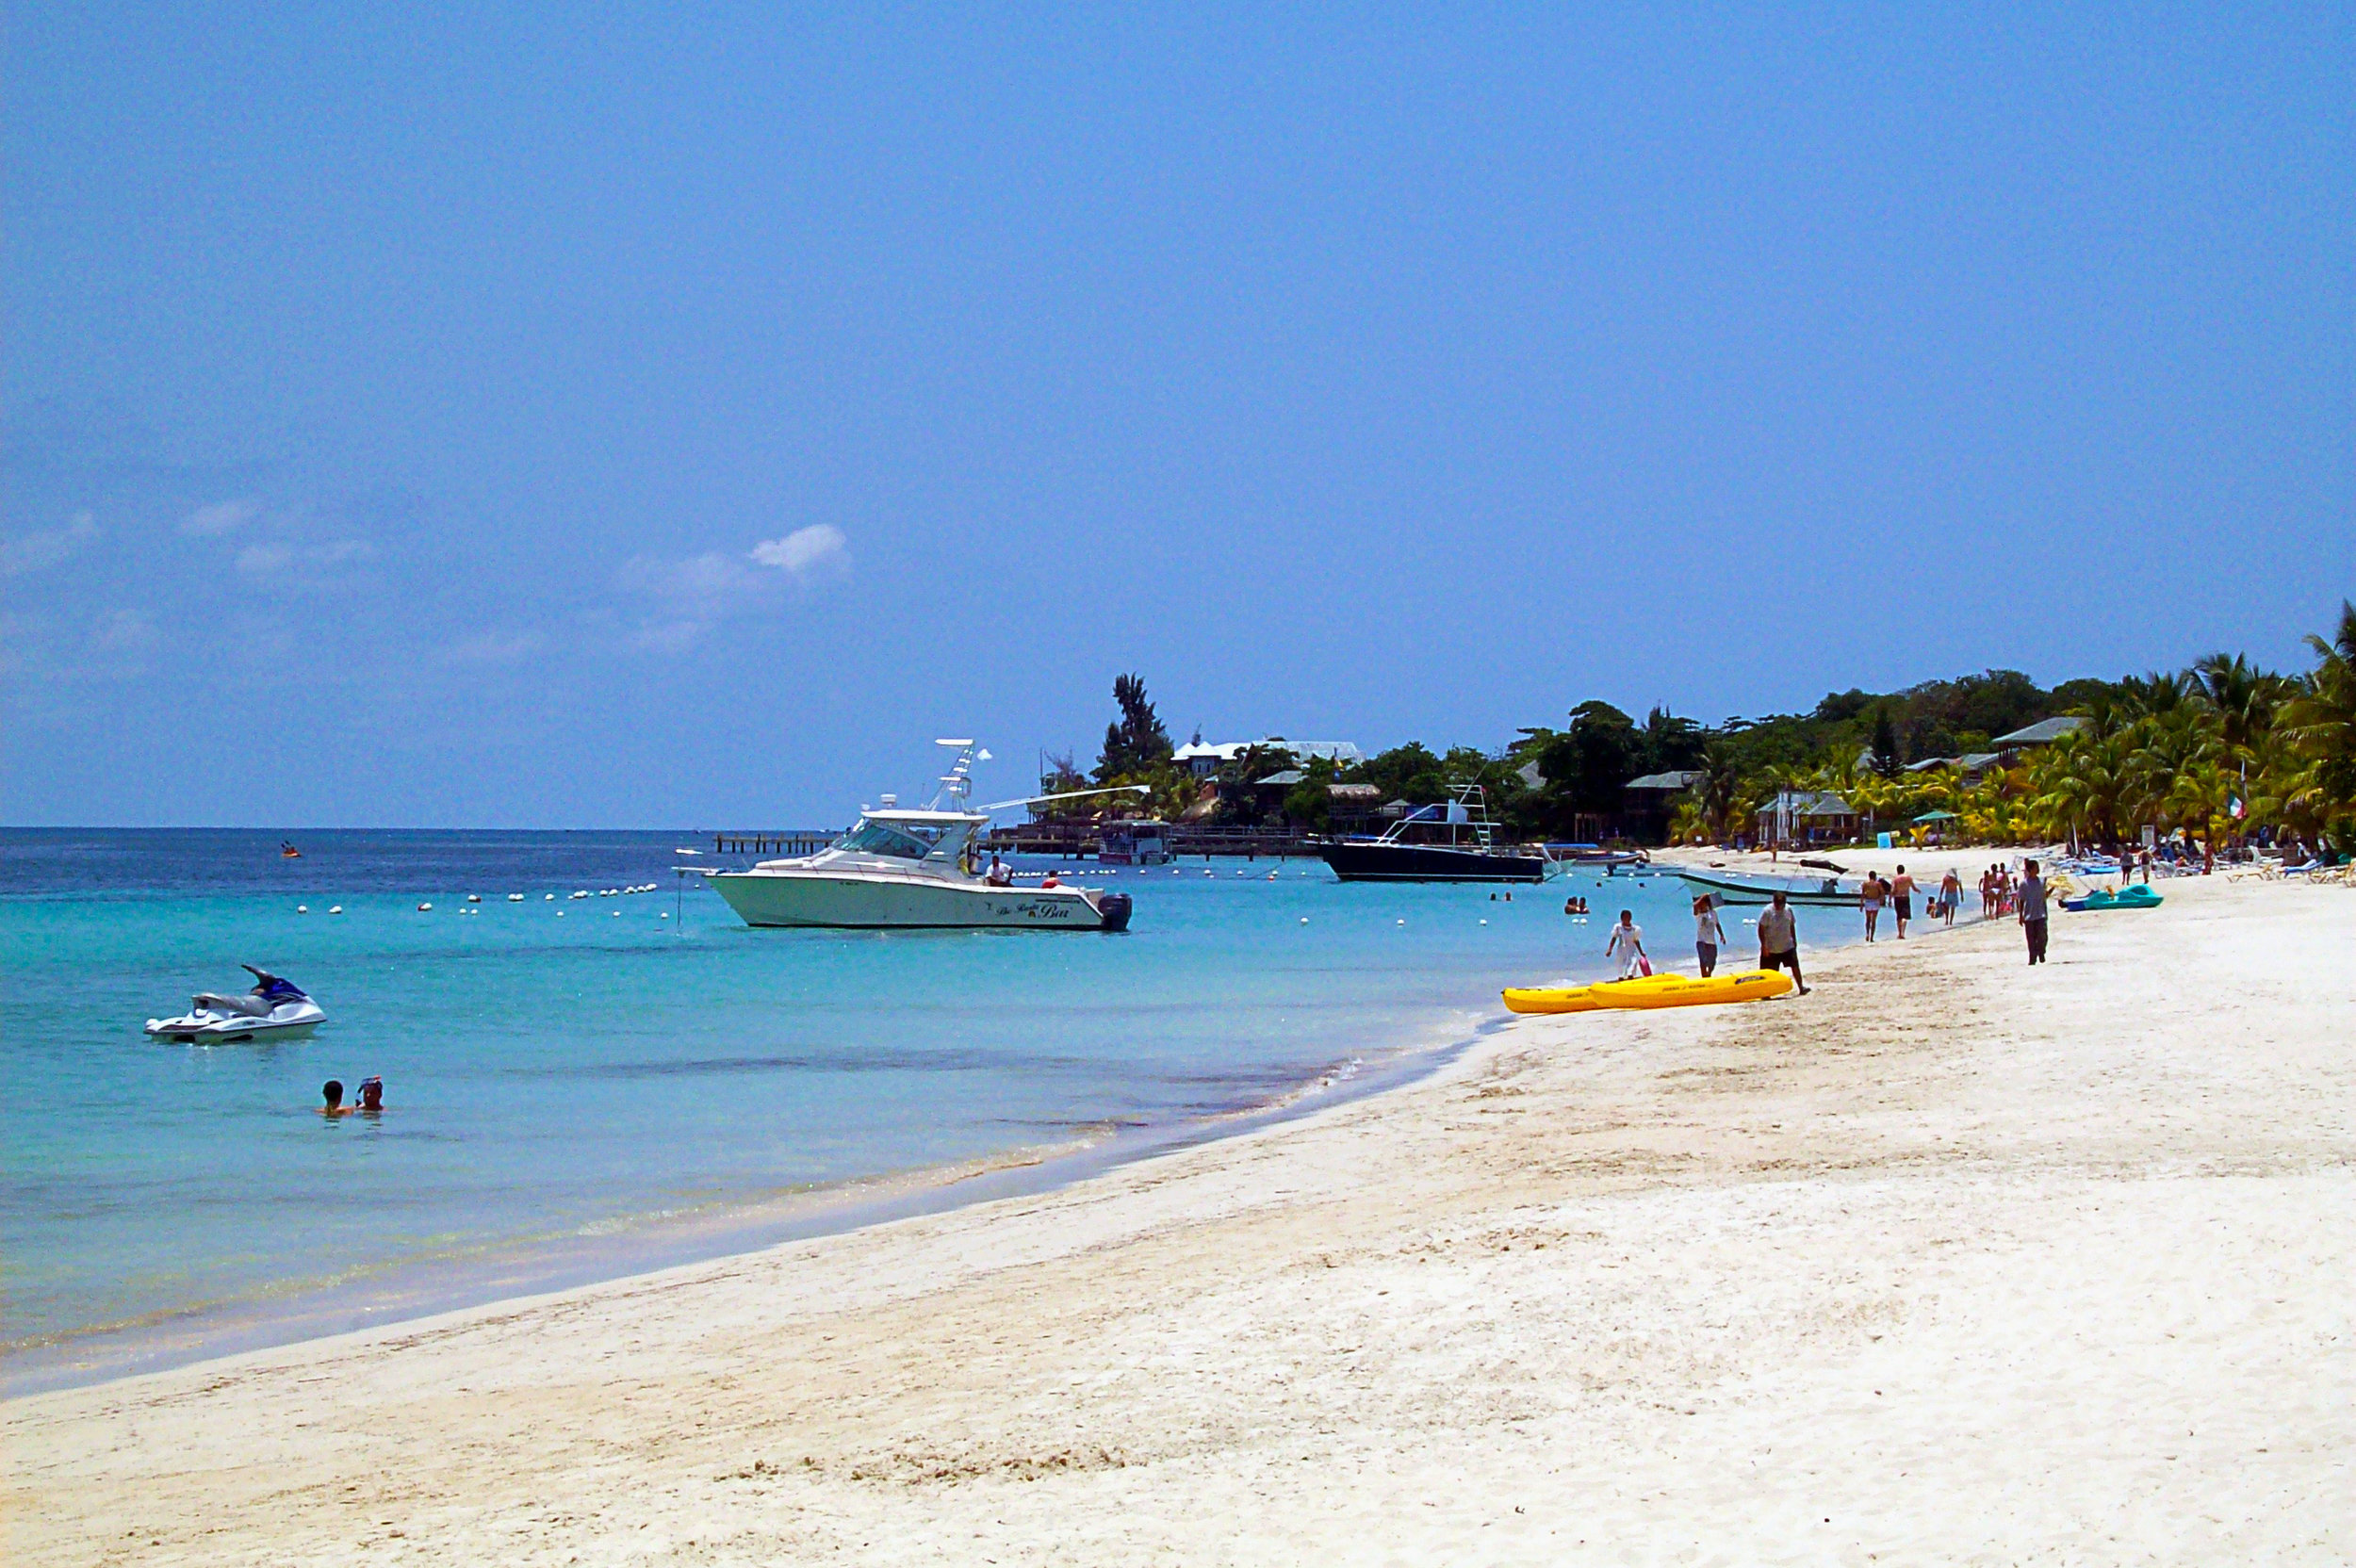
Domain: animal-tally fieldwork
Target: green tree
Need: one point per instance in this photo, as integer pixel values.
(1885, 744)
(1136, 744)
(2243, 695)
(1411, 773)
(1309, 805)
(2318, 722)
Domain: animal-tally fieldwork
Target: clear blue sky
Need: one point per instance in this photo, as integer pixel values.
(450, 417)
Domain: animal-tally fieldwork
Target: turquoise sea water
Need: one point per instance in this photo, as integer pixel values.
(586, 1066)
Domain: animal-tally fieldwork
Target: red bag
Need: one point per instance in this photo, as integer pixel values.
(1643, 965)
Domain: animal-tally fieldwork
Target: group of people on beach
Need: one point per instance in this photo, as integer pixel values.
(1779, 928)
(2000, 892)
(1896, 893)
(1778, 941)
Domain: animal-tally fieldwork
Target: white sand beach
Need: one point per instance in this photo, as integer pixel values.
(1953, 1261)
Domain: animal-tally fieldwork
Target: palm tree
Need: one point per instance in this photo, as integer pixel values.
(2073, 786)
(2243, 696)
(2157, 692)
(2319, 722)
(1719, 790)
(2165, 745)
(2205, 793)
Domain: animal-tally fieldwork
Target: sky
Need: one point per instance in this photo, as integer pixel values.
(662, 416)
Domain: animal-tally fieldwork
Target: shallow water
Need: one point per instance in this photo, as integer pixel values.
(577, 1067)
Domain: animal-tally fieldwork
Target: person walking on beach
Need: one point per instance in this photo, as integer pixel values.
(1779, 941)
(1870, 900)
(1949, 894)
(1627, 942)
(1708, 935)
(1902, 900)
(2032, 906)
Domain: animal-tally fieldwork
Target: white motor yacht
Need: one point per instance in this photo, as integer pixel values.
(914, 868)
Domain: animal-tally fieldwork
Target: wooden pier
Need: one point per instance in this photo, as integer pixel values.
(1071, 839)
(784, 842)
(1084, 840)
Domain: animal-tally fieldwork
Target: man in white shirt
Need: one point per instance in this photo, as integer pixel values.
(1779, 941)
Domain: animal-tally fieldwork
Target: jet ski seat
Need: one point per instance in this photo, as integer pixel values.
(248, 1006)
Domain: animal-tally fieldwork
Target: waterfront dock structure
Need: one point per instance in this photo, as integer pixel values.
(1068, 839)
(784, 842)
(1084, 839)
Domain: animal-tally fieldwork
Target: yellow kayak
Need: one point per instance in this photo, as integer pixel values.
(1657, 990)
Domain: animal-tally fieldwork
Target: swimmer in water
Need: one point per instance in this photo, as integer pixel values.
(372, 1095)
(333, 1092)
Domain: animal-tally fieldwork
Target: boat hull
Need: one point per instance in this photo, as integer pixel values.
(1824, 891)
(870, 902)
(286, 1022)
(1373, 861)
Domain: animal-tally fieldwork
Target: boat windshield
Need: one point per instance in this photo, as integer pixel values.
(911, 841)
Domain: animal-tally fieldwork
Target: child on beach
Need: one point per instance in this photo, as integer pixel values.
(1708, 935)
(1627, 943)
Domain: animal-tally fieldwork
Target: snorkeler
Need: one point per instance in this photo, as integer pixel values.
(371, 1098)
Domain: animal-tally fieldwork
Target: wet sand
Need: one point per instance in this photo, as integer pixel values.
(1953, 1260)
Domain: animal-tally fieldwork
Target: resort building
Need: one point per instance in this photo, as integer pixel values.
(1807, 817)
(2042, 733)
(1972, 765)
(1647, 801)
(1203, 759)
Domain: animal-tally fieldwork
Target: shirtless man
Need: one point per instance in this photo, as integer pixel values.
(1869, 898)
(1902, 900)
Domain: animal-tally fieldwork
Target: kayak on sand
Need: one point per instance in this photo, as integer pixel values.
(2137, 896)
(1655, 991)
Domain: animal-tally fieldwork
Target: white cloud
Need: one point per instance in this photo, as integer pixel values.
(220, 518)
(279, 560)
(683, 599)
(123, 633)
(805, 551)
(707, 583)
(40, 650)
(31, 552)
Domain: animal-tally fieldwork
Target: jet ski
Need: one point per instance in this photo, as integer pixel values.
(274, 1008)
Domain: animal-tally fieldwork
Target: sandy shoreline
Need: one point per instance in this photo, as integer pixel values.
(1953, 1260)
(630, 1246)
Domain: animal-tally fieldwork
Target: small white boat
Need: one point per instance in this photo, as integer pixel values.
(274, 1009)
(913, 868)
(1742, 888)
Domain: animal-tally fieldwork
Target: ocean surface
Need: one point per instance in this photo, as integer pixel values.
(591, 1078)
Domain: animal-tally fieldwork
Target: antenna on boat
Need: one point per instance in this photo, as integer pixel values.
(957, 785)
